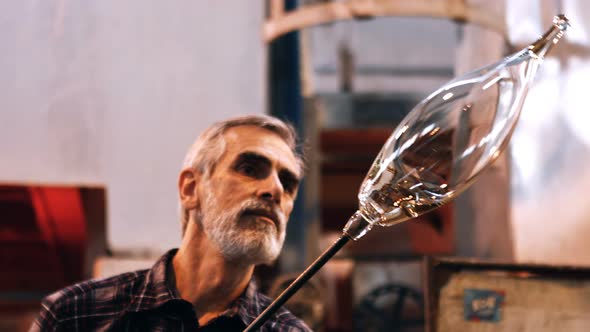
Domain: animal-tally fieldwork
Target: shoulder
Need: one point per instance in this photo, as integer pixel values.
(98, 297)
(283, 319)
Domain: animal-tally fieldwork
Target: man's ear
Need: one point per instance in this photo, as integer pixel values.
(188, 182)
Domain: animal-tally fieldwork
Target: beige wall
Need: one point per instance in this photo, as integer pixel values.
(111, 93)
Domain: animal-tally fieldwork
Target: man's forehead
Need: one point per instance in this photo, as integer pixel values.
(263, 142)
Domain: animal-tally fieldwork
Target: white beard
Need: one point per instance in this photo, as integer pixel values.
(243, 240)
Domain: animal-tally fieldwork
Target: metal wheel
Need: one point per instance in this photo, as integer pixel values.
(390, 307)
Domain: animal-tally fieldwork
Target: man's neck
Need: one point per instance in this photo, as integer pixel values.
(206, 280)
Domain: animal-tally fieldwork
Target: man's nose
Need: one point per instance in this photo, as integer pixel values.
(271, 188)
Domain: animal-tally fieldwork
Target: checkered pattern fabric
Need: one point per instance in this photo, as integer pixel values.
(147, 300)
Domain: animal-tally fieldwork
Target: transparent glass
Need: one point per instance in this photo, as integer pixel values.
(440, 147)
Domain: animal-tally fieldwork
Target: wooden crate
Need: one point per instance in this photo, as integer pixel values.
(469, 295)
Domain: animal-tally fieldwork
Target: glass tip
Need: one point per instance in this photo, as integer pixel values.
(561, 21)
(551, 37)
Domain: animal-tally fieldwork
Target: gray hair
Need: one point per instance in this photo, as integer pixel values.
(209, 147)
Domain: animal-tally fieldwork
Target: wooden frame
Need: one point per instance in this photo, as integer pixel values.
(281, 22)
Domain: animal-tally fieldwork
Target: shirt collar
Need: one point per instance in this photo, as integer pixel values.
(156, 288)
(248, 306)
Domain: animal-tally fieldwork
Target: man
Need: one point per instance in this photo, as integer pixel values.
(236, 191)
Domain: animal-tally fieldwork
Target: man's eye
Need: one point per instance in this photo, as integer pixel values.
(289, 184)
(247, 169)
(289, 187)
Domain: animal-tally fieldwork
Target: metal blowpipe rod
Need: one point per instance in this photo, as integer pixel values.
(295, 285)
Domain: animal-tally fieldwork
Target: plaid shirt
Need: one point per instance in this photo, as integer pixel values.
(147, 300)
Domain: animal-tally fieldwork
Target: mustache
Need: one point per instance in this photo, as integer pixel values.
(269, 210)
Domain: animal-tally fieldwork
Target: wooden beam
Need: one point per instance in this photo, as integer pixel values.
(305, 16)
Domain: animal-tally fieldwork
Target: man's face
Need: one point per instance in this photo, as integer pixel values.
(249, 196)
